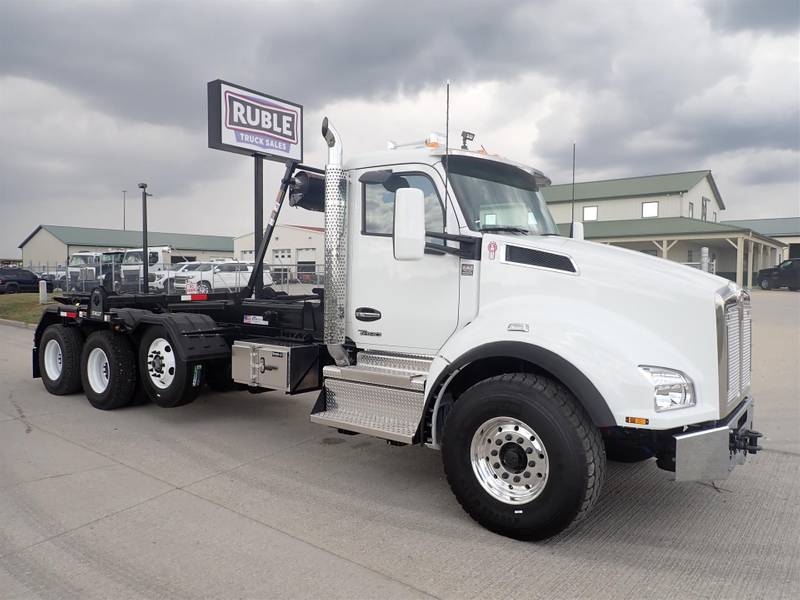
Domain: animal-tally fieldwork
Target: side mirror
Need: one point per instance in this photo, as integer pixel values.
(409, 224)
(577, 230)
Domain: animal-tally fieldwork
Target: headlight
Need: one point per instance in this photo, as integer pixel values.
(671, 389)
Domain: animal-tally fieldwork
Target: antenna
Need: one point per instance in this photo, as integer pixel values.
(446, 150)
(571, 226)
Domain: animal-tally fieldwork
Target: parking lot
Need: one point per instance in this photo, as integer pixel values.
(239, 495)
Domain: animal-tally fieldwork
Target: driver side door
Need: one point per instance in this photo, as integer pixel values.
(394, 305)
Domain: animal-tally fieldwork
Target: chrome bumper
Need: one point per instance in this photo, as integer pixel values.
(712, 453)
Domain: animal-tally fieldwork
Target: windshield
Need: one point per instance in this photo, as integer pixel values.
(78, 260)
(133, 258)
(112, 258)
(497, 196)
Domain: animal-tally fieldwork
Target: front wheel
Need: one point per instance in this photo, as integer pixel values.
(168, 380)
(203, 287)
(764, 284)
(522, 456)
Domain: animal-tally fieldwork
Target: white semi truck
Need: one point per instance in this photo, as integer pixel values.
(452, 316)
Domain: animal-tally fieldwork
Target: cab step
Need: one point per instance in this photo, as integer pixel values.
(382, 395)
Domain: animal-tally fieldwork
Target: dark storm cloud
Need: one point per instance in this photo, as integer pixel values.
(782, 16)
(97, 94)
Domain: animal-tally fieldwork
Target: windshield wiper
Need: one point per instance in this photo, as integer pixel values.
(509, 228)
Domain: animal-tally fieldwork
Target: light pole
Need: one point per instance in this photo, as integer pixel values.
(145, 253)
(123, 209)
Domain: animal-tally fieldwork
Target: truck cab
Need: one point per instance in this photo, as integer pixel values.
(132, 270)
(83, 270)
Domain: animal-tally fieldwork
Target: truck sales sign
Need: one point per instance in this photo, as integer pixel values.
(249, 122)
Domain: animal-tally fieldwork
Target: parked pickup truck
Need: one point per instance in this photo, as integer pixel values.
(786, 274)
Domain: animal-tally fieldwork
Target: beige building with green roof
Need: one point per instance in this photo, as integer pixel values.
(51, 245)
(672, 215)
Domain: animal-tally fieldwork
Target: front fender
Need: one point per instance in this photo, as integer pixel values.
(594, 348)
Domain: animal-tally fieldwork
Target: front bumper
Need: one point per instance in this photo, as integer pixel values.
(712, 452)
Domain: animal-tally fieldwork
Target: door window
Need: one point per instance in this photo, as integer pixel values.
(378, 205)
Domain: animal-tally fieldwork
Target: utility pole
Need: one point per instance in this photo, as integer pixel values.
(123, 209)
(145, 253)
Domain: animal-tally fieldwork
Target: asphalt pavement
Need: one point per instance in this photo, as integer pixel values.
(240, 496)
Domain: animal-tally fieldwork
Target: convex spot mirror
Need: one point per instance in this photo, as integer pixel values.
(409, 224)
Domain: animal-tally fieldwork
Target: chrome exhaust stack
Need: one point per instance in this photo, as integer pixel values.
(335, 247)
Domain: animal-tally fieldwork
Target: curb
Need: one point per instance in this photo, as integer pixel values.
(18, 324)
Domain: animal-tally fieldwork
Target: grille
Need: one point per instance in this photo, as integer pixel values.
(737, 329)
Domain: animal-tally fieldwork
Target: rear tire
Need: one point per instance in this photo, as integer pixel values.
(108, 370)
(60, 359)
(11, 288)
(168, 380)
(529, 418)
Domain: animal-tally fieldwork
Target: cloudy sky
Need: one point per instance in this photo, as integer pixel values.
(97, 96)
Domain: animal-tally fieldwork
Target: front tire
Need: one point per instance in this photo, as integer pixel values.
(168, 380)
(60, 359)
(108, 370)
(203, 287)
(499, 423)
(764, 284)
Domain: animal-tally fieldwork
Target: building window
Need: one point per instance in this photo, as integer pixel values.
(649, 209)
(704, 209)
(690, 255)
(280, 254)
(691, 210)
(715, 216)
(590, 213)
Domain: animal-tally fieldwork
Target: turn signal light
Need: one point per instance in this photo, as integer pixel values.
(637, 420)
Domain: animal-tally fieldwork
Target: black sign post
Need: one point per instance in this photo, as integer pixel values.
(248, 122)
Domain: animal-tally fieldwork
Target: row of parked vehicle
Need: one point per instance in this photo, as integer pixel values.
(124, 272)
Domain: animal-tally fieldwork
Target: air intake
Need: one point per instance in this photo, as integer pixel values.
(538, 258)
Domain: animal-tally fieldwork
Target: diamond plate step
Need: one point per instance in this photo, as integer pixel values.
(403, 363)
(406, 380)
(383, 412)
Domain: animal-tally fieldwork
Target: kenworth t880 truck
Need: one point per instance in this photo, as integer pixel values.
(453, 316)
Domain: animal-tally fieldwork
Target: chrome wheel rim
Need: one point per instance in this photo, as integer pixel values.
(161, 363)
(53, 359)
(509, 460)
(97, 370)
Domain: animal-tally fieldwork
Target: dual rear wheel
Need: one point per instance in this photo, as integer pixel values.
(113, 372)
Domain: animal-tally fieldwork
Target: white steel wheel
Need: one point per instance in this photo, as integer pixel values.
(509, 460)
(97, 370)
(161, 363)
(53, 360)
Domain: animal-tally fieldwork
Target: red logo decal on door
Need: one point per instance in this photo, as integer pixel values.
(492, 248)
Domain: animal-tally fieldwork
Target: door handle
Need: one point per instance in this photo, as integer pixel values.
(365, 313)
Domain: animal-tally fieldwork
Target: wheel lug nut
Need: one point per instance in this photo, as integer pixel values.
(519, 440)
(532, 463)
(516, 479)
(526, 474)
(529, 451)
(508, 437)
(504, 475)
(496, 465)
(499, 442)
(494, 452)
